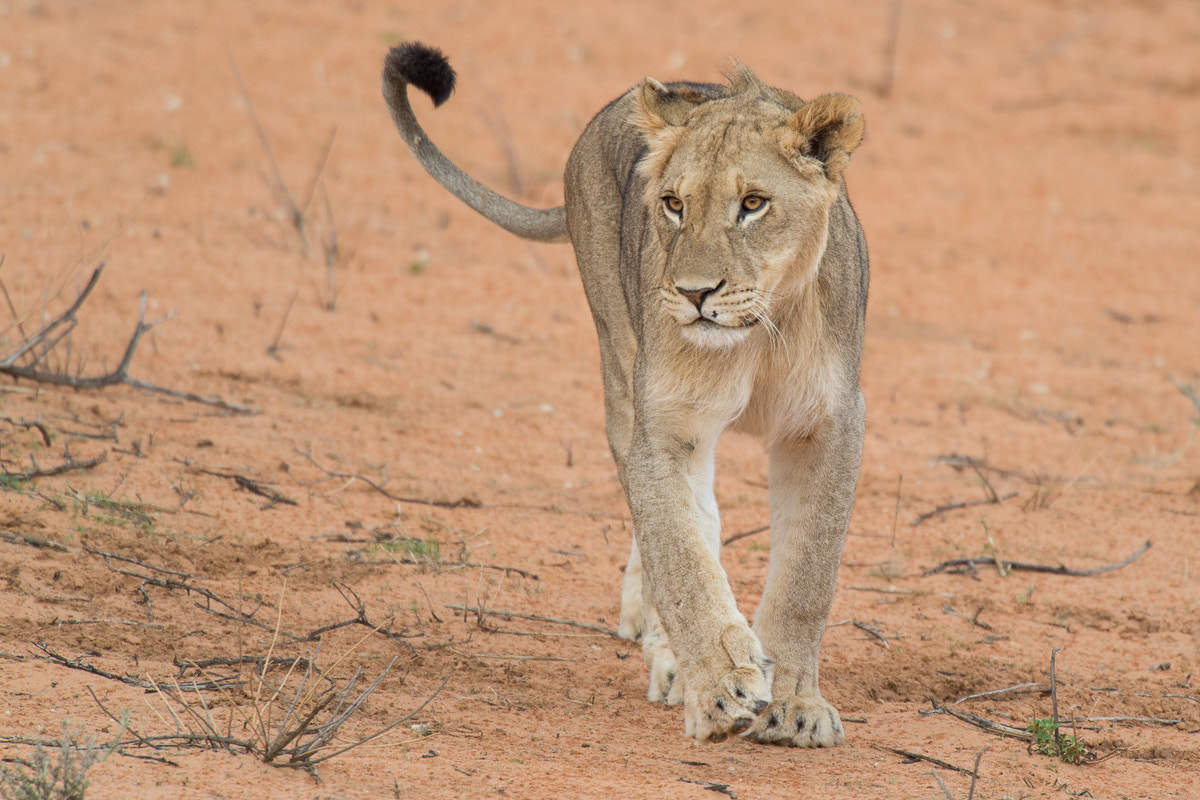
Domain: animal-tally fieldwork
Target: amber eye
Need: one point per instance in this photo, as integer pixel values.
(673, 205)
(752, 203)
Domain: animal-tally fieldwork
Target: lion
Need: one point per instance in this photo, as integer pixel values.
(727, 275)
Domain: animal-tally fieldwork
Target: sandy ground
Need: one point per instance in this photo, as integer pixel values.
(428, 426)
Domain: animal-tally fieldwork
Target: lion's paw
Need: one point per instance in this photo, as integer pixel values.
(632, 601)
(798, 722)
(728, 707)
(666, 686)
(631, 619)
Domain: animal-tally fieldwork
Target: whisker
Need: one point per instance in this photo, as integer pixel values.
(760, 310)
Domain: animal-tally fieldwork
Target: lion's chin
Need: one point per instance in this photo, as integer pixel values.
(708, 334)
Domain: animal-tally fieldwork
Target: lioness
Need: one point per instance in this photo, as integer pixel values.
(727, 277)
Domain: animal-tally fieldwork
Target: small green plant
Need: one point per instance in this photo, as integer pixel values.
(45, 777)
(113, 513)
(181, 156)
(11, 483)
(1050, 741)
(428, 551)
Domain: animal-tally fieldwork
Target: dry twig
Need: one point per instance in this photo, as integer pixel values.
(942, 509)
(961, 565)
(29, 359)
(923, 757)
(537, 618)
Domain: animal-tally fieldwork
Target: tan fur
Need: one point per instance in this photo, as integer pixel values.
(727, 312)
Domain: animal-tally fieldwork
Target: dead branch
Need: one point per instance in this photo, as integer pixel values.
(745, 534)
(960, 462)
(249, 484)
(217, 402)
(34, 541)
(975, 773)
(963, 565)
(68, 465)
(1020, 688)
(942, 509)
(55, 658)
(27, 361)
(973, 619)
(984, 724)
(30, 425)
(922, 757)
(360, 609)
(412, 562)
(462, 502)
(129, 560)
(719, 788)
(862, 626)
(537, 618)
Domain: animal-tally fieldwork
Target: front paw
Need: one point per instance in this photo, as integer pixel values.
(730, 706)
(730, 703)
(798, 722)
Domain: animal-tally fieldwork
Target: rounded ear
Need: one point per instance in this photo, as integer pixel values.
(829, 129)
(660, 106)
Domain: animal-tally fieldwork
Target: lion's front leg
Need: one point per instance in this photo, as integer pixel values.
(723, 673)
(812, 490)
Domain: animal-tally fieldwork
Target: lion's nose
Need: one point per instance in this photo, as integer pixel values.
(697, 296)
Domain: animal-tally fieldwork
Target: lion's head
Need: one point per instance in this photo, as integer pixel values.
(739, 190)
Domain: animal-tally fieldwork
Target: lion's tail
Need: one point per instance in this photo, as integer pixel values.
(428, 70)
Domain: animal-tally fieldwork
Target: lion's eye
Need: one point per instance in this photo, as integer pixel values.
(753, 203)
(673, 205)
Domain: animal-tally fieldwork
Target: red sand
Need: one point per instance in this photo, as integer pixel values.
(1029, 186)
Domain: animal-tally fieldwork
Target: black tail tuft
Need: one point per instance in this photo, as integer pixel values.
(425, 67)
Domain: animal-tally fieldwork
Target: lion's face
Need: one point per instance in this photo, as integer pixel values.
(739, 196)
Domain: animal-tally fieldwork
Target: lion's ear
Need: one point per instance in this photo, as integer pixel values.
(828, 128)
(660, 107)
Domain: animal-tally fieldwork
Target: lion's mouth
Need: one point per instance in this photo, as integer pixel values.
(706, 324)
